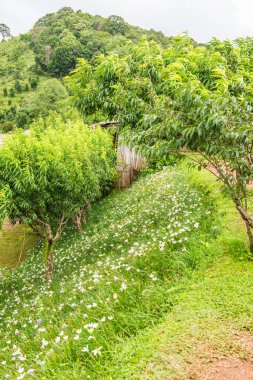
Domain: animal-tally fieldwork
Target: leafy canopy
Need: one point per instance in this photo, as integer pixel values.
(48, 176)
(184, 98)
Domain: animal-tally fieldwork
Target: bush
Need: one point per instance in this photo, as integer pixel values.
(52, 175)
(7, 126)
(12, 93)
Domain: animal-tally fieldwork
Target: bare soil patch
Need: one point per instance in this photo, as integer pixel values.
(7, 225)
(236, 365)
(229, 369)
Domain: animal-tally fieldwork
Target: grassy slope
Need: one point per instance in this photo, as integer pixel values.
(178, 296)
(203, 325)
(137, 254)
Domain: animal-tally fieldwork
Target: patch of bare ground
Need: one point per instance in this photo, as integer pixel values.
(7, 225)
(15, 241)
(236, 364)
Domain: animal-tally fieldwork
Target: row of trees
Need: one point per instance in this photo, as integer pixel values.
(49, 176)
(18, 87)
(187, 100)
(51, 95)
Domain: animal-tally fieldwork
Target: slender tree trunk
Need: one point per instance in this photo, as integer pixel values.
(243, 211)
(79, 224)
(250, 237)
(83, 216)
(77, 219)
(50, 261)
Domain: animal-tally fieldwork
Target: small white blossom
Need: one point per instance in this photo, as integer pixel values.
(97, 351)
(44, 343)
(123, 286)
(85, 349)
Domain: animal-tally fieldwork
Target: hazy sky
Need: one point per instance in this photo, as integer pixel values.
(203, 19)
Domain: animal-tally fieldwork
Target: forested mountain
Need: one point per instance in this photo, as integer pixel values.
(30, 62)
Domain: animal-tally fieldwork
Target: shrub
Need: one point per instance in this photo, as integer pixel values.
(52, 174)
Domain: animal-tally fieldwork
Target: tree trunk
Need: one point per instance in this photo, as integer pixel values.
(50, 261)
(77, 219)
(243, 211)
(250, 237)
(83, 216)
(79, 225)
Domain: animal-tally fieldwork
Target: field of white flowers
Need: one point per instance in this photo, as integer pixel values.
(139, 247)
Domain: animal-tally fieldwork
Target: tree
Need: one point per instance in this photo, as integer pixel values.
(186, 100)
(115, 25)
(5, 31)
(18, 87)
(7, 126)
(64, 57)
(12, 93)
(33, 83)
(48, 97)
(50, 93)
(47, 177)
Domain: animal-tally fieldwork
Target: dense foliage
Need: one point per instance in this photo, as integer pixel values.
(49, 177)
(59, 38)
(51, 95)
(50, 49)
(189, 100)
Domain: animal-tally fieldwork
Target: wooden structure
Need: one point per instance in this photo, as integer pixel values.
(129, 163)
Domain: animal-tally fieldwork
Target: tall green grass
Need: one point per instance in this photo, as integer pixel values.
(209, 313)
(139, 249)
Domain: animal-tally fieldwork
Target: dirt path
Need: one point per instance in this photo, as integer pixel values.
(237, 364)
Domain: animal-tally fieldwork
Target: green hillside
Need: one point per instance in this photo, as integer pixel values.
(50, 50)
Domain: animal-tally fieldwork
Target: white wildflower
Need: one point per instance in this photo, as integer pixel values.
(85, 349)
(44, 343)
(97, 351)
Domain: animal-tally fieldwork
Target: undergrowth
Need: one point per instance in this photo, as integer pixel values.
(138, 252)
